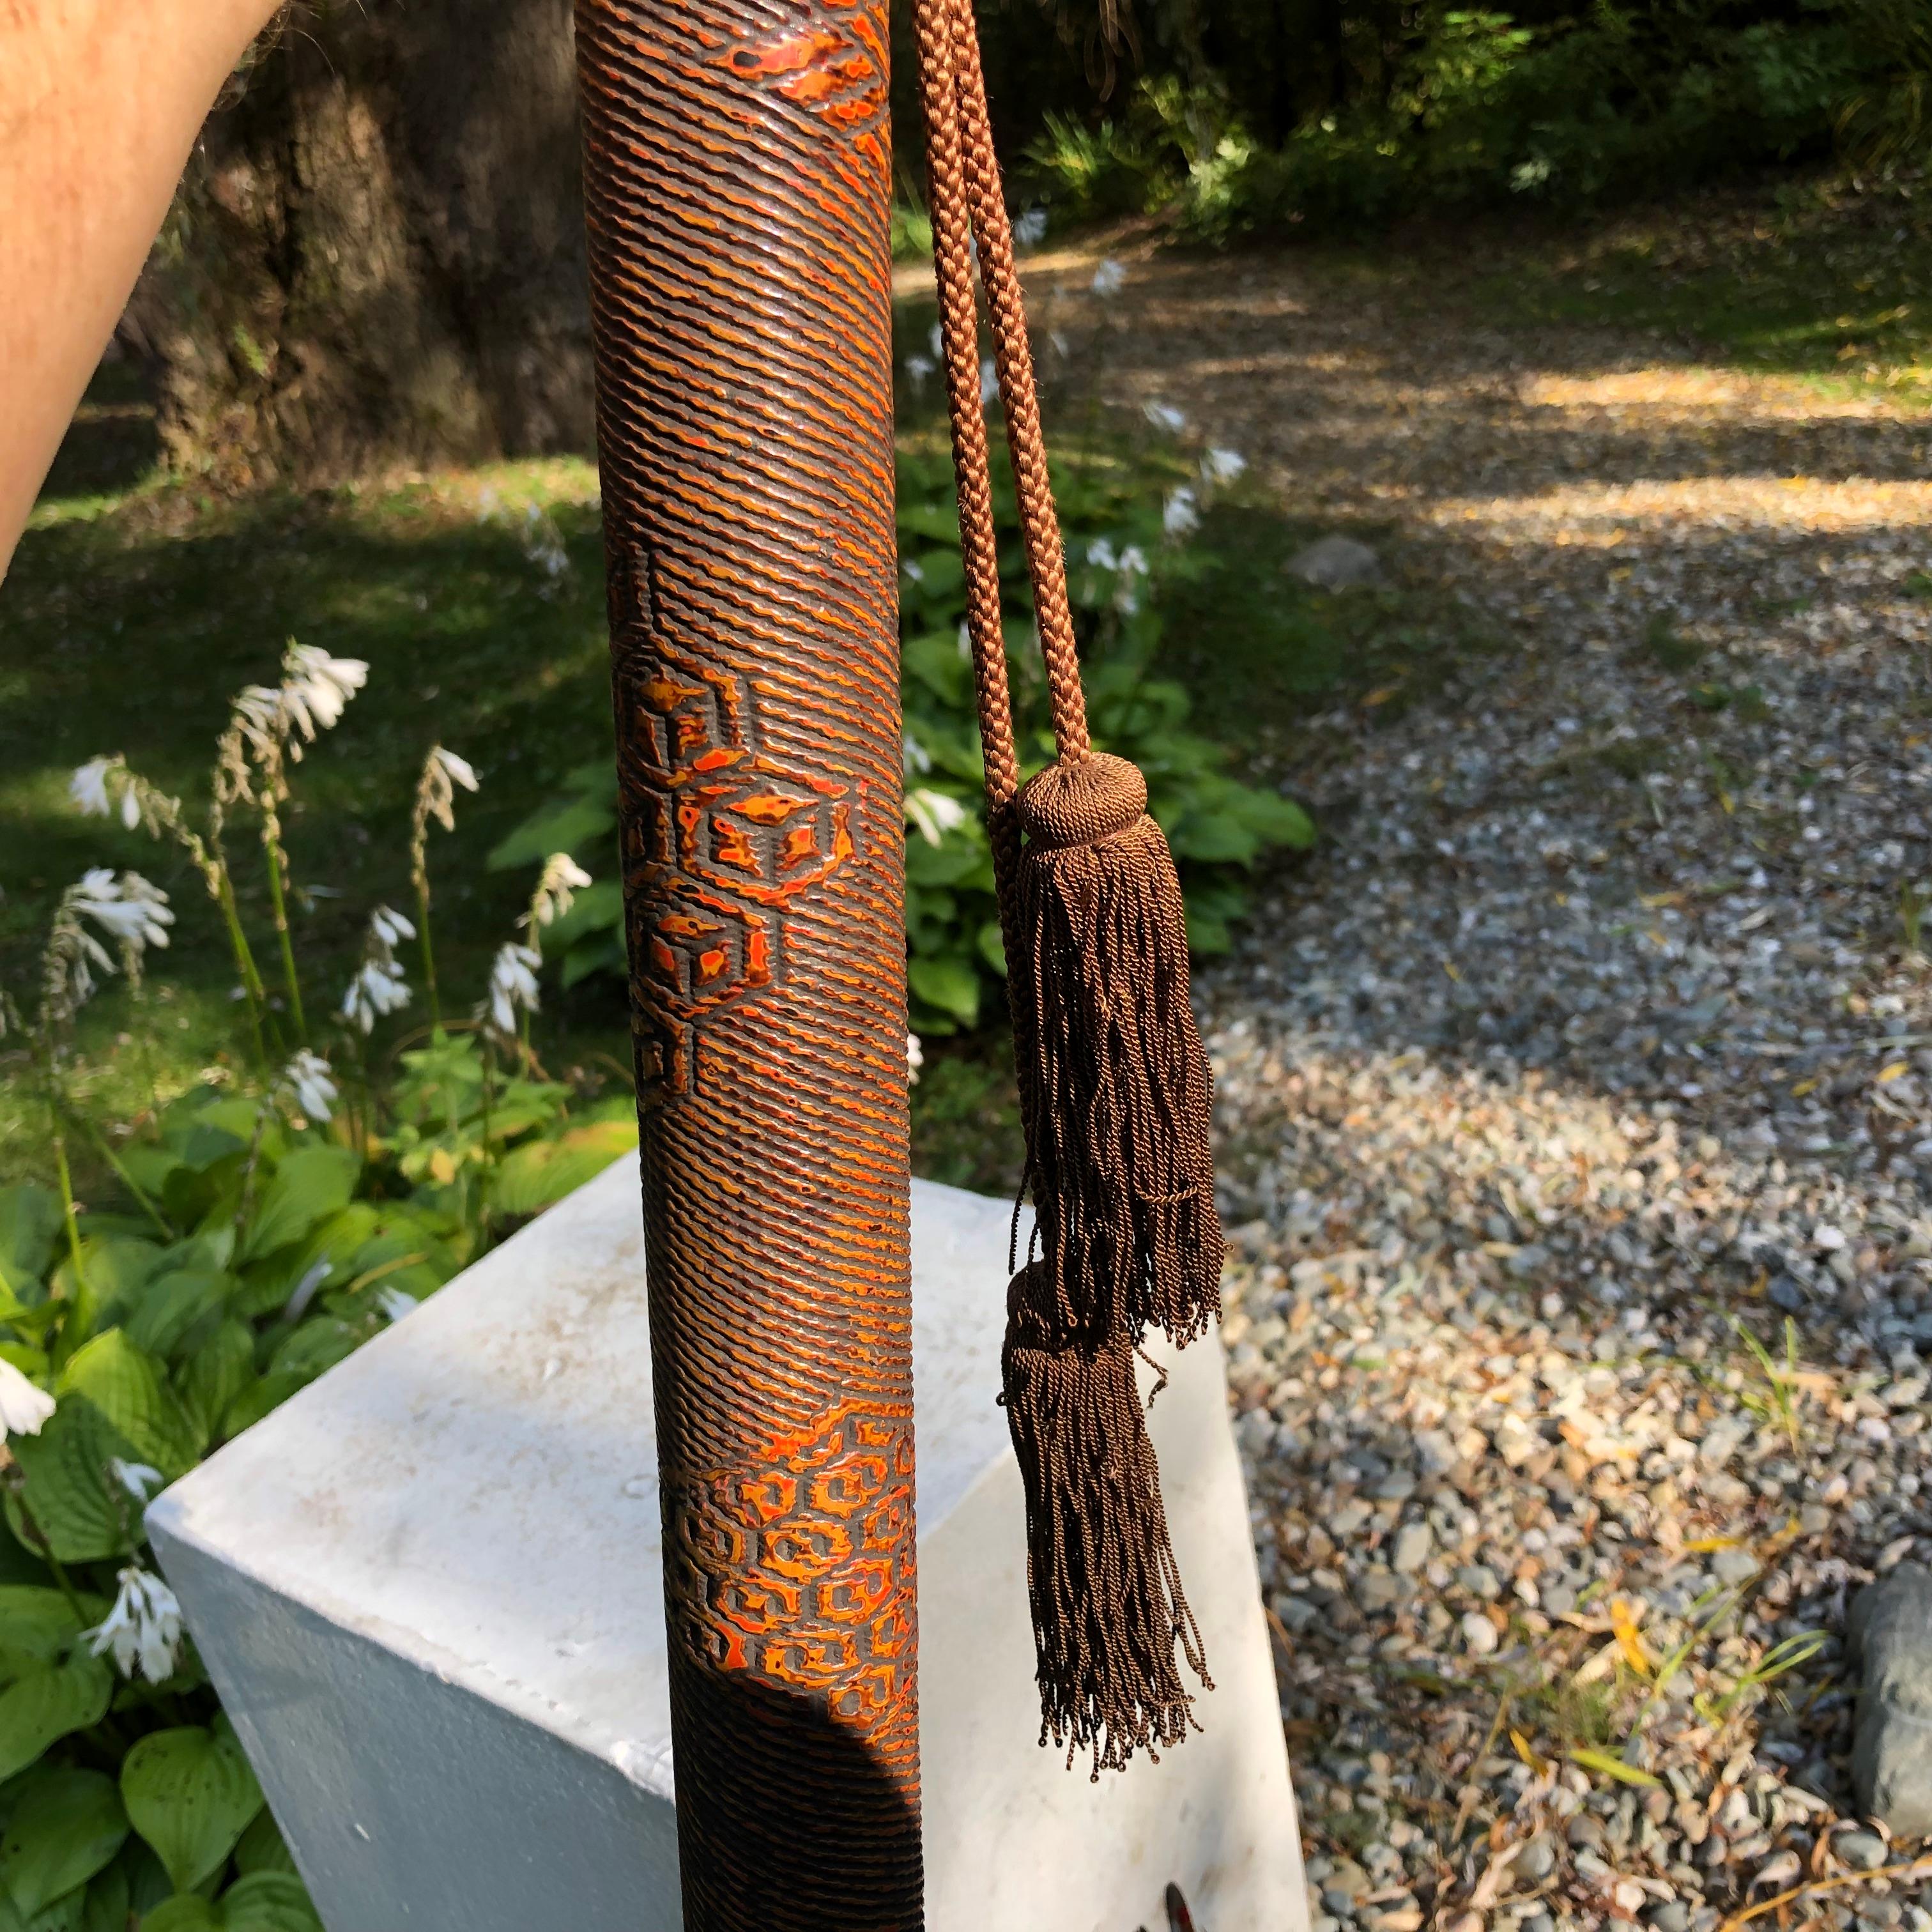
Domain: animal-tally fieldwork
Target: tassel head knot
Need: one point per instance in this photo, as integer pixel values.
(1082, 803)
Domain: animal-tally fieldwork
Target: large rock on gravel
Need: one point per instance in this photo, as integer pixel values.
(1891, 1630)
(1335, 563)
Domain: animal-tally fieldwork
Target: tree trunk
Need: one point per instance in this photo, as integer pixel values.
(376, 257)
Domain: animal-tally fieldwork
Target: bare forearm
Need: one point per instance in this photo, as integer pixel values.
(100, 102)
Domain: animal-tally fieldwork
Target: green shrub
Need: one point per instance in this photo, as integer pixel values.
(1115, 516)
(1439, 106)
(274, 1219)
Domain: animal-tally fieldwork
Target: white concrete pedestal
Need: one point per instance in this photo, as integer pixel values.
(427, 1589)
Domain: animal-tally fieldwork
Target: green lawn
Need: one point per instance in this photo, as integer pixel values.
(1809, 277)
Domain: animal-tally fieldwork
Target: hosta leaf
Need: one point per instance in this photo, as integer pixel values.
(266, 1392)
(318, 1345)
(578, 825)
(69, 1498)
(37, 1627)
(108, 1903)
(30, 1226)
(216, 1372)
(1278, 820)
(268, 1901)
(47, 1704)
(128, 1388)
(172, 1303)
(534, 1178)
(1219, 838)
(263, 1848)
(191, 1794)
(64, 1915)
(65, 1825)
(311, 1184)
(949, 982)
(185, 1912)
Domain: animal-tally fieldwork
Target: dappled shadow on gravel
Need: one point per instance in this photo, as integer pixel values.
(1573, 1098)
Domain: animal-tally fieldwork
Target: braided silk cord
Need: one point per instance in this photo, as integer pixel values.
(967, 207)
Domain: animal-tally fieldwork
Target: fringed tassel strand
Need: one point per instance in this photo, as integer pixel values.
(1117, 1082)
(1108, 1607)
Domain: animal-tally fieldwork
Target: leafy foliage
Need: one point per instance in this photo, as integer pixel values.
(1393, 107)
(282, 1222)
(1115, 516)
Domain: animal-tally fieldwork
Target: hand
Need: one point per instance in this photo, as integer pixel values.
(100, 104)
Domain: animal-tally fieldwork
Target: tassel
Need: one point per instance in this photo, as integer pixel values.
(1108, 1608)
(1116, 1082)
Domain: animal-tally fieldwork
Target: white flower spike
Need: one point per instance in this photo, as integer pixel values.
(1109, 278)
(915, 1059)
(378, 988)
(513, 985)
(87, 787)
(143, 1629)
(1222, 465)
(140, 1480)
(131, 909)
(562, 878)
(24, 1407)
(310, 1082)
(316, 687)
(1180, 516)
(935, 813)
(390, 928)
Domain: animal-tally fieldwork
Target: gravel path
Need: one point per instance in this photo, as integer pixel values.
(1574, 1097)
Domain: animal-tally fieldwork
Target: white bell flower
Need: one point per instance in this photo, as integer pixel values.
(915, 1059)
(317, 686)
(134, 911)
(513, 985)
(1109, 278)
(309, 1081)
(390, 928)
(561, 879)
(143, 1629)
(1030, 229)
(1221, 466)
(140, 1480)
(1179, 516)
(1164, 416)
(377, 989)
(935, 813)
(24, 1405)
(87, 787)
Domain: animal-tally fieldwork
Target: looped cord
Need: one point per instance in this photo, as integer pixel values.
(967, 208)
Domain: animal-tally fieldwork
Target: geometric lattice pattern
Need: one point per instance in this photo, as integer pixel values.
(791, 1572)
(725, 838)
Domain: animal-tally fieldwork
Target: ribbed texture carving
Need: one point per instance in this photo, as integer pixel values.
(737, 175)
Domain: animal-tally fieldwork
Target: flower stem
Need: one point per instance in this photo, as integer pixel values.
(271, 844)
(68, 1213)
(428, 954)
(127, 1180)
(245, 961)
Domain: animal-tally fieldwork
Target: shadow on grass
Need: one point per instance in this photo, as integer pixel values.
(129, 628)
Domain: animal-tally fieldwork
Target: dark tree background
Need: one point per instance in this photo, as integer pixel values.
(376, 256)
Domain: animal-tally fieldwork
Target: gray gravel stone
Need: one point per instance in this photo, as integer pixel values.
(1412, 1545)
(1335, 563)
(1891, 1632)
(1863, 1851)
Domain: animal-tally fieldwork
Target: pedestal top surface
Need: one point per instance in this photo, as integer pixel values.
(477, 1488)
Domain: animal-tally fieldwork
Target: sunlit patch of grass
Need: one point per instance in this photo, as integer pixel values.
(1812, 277)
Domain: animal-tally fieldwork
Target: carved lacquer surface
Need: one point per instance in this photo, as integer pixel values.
(737, 171)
